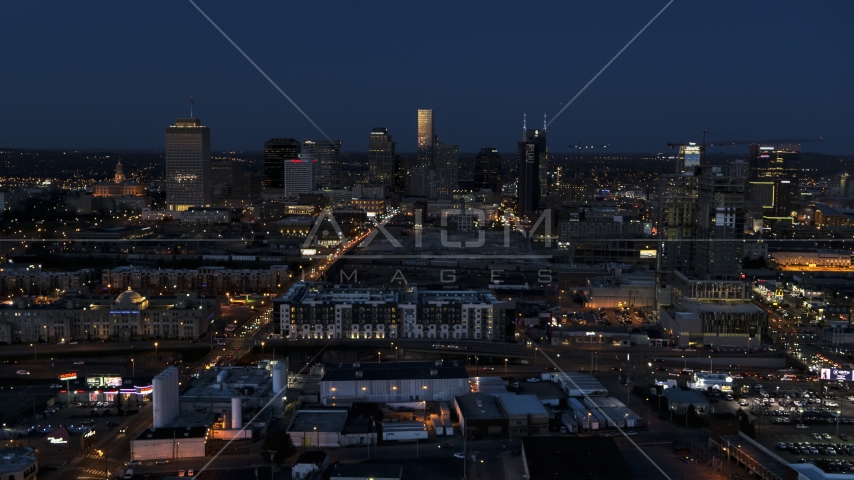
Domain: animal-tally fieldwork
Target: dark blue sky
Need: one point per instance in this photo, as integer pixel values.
(115, 74)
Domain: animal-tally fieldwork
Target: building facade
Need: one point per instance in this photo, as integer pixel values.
(205, 280)
(130, 315)
(300, 175)
(327, 168)
(276, 152)
(487, 170)
(188, 164)
(426, 138)
(313, 311)
(381, 163)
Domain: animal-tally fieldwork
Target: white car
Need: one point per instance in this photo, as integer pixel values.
(801, 425)
(459, 455)
(22, 372)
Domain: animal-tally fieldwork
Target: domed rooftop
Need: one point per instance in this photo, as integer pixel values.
(130, 297)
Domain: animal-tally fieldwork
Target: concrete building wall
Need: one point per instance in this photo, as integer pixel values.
(434, 389)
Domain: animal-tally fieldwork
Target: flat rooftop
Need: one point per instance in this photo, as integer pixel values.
(522, 405)
(323, 420)
(338, 372)
(172, 432)
(480, 406)
(15, 459)
(237, 378)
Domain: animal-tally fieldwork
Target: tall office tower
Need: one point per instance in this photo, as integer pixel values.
(539, 137)
(276, 152)
(777, 197)
(528, 187)
(253, 184)
(773, 160)
(676, 218)
(226, 178)
(299, 175)
(381, 157)
(188, 164)
(487, 170)
(689, 158)
(721, 206)
(400, 174)
(327, 169)
(426, 138)
(447, 169)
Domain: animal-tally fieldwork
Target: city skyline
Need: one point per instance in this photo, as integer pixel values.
(638, 104)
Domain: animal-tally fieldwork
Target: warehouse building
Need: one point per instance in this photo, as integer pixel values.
(169, 443)
(525, 414)
(678, 400)
(481, 415)
(393, 382)
(318, 428)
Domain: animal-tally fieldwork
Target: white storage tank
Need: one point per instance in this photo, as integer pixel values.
(236, 413)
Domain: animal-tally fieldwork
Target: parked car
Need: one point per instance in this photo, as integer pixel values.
(459, 455)
(134, 463)
(79, 362)
(161, 462)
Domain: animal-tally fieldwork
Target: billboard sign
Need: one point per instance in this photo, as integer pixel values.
(837, 374)
(68, 376)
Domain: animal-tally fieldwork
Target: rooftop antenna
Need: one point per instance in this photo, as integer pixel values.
(191, 107)
(524, 126)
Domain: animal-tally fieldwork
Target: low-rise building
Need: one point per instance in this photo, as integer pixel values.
(310, 465)
(18, 463)
(129, 315)
(393, 382)
(318, 428)
(526, 415)
(205, 280)
(679, 400)
(481, 415)
(169, 443)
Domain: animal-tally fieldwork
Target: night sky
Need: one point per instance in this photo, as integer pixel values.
(115, 74)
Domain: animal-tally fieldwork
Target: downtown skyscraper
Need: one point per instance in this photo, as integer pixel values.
(327, 169)
(532, 158)
(426, 138)
(188, 164)
(277, 151)
(487, 170)
(381, 158)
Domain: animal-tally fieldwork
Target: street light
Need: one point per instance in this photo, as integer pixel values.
(379, 357)
(155, 350)
(133, 366)
(35, 351)
(262, 350)
(505, 365)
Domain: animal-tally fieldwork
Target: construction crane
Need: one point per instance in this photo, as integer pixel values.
(725, 143)
(578, 146)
